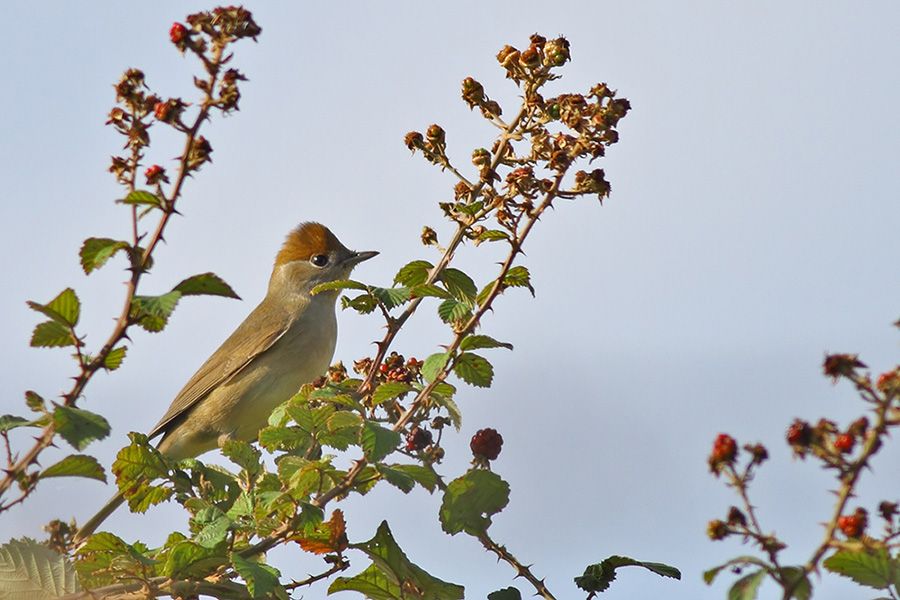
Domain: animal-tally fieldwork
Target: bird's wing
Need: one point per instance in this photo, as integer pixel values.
(259, 331)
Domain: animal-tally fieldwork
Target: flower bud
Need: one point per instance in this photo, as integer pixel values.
(156, 174)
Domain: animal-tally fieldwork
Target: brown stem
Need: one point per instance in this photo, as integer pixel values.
(521, 570)
(138, 268)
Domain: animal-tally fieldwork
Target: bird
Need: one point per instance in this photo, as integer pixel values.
(288, 340)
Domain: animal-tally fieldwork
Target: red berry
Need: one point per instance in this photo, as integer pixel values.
(799, 433)
(853, 525)
(486, 443)
(844, 443)
(155, 174)
(161, 110)
(177, 33)
(724, 449)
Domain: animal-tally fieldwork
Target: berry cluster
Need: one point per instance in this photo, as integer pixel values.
(394, 368)
(486, 445)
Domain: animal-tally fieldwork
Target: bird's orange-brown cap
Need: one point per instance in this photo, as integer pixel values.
(304, 242)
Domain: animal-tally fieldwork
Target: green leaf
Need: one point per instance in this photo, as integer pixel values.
(492, 235)
(342, 284)
(391, 297)
(51, 334)
(413, 273)
(459, 284)
(214, 530)
(32, 571)
(874, 568)
(245, 456)
(153, 312)
(471, 500)
(747, 586)
(65, 309)
(597, 577)
(104, 558)
(452, 310)
(187, 559)
(428, 290)
(79, 427)
(205, 284)
(363, 304)
(377, 442)
(136, 467)
(114, 358)
(518, 276)
(803, 589)
(424, 476)
(390, 569)
(34, 401)
(388, 391)
(396, 478)
(261, 579)
(96, 251)
(433, 365)
(474, 369)
(509, 593)
(475, 342)
(142, 197)
(8, 422)
(76, 465)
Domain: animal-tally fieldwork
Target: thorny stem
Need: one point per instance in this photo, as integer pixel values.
(17, 468)
(849, 480)
(521, 570)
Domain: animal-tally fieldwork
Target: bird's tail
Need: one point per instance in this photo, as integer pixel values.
(97, 520)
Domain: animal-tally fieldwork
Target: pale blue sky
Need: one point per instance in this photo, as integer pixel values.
(752, 227)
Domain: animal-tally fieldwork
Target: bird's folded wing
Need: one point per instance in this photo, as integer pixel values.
(259, 332)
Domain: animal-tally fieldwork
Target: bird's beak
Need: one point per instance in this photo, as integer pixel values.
(357, 257)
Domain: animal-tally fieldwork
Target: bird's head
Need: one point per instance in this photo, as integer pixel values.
(311, 255)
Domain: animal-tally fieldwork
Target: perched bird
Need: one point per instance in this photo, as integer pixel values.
(287, 341)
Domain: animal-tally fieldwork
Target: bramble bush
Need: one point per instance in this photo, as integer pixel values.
(389, 416)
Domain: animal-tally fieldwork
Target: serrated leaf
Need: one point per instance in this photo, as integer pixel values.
(400, 480)
(32, 571)
(185, 559)
(452, 310)
(261, 579)
(874, 568)
(471, 500)
(8, 422)
(245, 456)
(52, 334)
(391, 297)
(474, 369)
(205, 284)
(142, 197)
(390, 569)
(597, 577)
(79, 427)
(388, 391)
(459, 284)
(424, 476)
(342, 284)
(475, 342)
(492, 235)
(64, 309)
(96, 251)
(214, 531)
(76, 465)
(153, 312)
(428, 290)
(136, 467)
(377, 442)
(413, 273)
(327, 536)
(114, 358)
(433, 365)
(363, 304)
(518, 276)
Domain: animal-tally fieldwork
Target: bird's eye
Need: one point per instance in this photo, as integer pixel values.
(320, 260)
